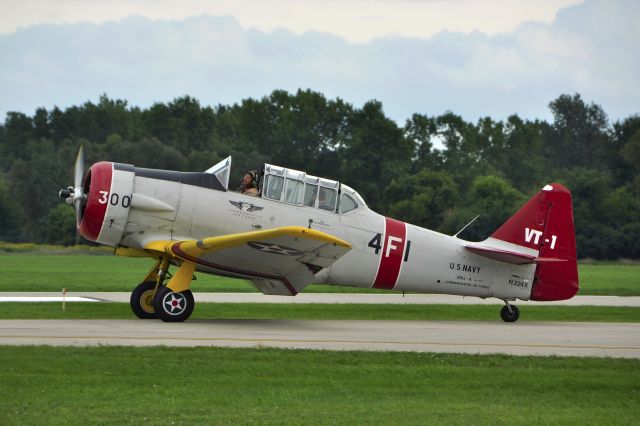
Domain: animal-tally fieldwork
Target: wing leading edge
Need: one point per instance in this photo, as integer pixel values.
(280, 261)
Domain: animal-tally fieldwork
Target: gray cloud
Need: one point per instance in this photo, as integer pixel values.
(590, 48)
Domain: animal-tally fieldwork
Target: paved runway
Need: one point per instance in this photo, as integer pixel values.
(332, 298)
(525, 338)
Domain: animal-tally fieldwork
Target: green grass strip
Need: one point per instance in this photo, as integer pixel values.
(77, 272)
(609, 279)
(328, 312)
(160, 385)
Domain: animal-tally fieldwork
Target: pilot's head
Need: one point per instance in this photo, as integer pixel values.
(250, 178)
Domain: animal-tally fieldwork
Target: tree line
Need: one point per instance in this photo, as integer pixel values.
(434, 171)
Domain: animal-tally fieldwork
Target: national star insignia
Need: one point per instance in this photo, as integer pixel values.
(274, 248)
(174, 303)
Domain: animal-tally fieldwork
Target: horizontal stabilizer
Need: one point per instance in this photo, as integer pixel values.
(510, 256)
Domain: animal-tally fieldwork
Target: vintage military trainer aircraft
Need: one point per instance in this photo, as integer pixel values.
(303, 229)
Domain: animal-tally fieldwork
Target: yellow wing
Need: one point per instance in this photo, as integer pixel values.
(278, 261)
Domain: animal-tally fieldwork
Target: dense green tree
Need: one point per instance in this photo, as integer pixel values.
(621, 161)
(453, 131)
(579, 134)
(423, 198)
(59, 226)
(435, 171)
(17, 130)
(374, 152)
(523, 161)
(41, 128)
(10, 213)
(590, 190)
(422, 131)
(147, 152)
(630, 153)
(306, 126)
(464, 153)
(33, 184)
(183, 124)
(94, 122)
(491, 198)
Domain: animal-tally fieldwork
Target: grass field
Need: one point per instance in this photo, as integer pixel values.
(162, 385)
(328, 312)
(32, 272)
(116, 385)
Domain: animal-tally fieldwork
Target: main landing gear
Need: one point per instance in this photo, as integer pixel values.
(142, 300)
(173, 302)
(509, 313)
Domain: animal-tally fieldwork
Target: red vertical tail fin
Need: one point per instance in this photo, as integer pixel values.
(545, 224)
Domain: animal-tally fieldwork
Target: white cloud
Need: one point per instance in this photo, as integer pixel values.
(355, 20)
(590, 49)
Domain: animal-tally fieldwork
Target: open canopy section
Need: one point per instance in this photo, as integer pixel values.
(296, 187)
(222, 171)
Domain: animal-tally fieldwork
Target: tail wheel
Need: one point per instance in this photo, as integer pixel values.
(142, 300)
(173, 307)
(510, 313)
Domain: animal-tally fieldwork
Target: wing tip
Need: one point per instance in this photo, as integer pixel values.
(320, 235)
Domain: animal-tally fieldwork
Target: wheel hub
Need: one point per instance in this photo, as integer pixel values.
(146, 301)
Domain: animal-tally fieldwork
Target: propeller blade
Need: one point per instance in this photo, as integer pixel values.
(78, 201)
(77, 204)
(79, 168)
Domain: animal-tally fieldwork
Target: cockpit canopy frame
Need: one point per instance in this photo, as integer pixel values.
(295, 187)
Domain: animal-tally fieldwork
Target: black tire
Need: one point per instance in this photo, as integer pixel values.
(173, 307)
(510, 316)
(142, 300)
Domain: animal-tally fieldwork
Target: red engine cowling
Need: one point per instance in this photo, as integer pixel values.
(109, 193)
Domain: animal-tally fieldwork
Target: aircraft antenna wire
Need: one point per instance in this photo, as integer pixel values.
(466, 226)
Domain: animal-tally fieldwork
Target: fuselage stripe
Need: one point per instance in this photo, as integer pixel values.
(391, 257)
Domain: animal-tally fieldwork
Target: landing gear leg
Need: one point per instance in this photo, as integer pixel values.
(509, 313)
(141, 300)
(174, 302)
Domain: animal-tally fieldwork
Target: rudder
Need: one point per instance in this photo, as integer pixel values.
(545, 224)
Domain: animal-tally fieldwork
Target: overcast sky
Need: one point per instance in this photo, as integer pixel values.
(473, 57)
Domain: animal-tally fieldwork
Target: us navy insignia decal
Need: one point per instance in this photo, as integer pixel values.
(274, 248)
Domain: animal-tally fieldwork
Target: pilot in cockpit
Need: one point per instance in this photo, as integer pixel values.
(249, 184)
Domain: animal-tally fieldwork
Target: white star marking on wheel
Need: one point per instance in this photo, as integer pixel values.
(174, 303)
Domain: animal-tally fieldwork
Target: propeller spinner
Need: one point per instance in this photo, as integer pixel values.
(99, 198)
